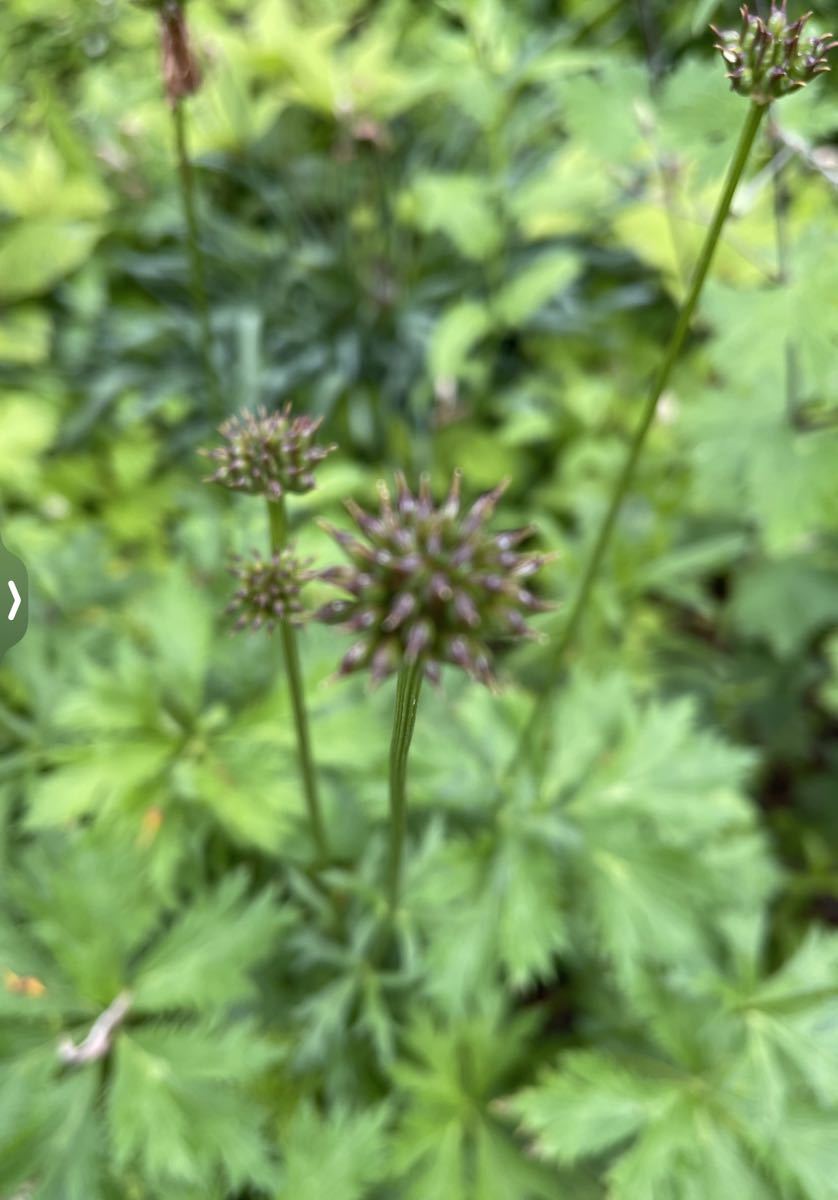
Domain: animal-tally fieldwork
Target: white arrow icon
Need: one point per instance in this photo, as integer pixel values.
(15, 600)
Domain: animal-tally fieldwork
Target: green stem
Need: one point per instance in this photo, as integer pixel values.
(278, 519)
(661, 379)
(404, 718)
(197, 272)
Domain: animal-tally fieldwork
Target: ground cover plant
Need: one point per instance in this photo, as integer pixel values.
(418, 775)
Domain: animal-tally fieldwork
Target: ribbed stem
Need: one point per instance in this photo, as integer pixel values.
(279, 536)
(197, 271)
(659, 383)
(404, 719)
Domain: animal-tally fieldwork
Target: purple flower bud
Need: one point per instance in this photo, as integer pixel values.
(267, 454)
(268, 588)
(769, 58)
(424, 580)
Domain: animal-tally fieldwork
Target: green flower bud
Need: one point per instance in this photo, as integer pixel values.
(426, 584)
(769, 58)
(268, 454)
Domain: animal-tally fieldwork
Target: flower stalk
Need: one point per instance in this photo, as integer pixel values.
(197, 272)
(269, 455)
(278, 523)
(541, 710)
(408, 687)
(182, 78)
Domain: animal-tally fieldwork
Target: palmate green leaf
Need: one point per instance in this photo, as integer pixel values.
(458, 206)
(447, 1144)
(498, 911)
(600, 110)
(737, 1093)
(341, 1155)
(688, 1154)
(670, 1143)
(666, 849)
(784, 602)
(96, 782)
(743, 432)
(73, 1157)
(55, 1139)
(179, 1110)
(87, 904)
(792, 1022)
(204, 961)
(592, 1104)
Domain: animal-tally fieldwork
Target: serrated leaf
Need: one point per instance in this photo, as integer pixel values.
(205, 960)
(589, 1105)
(340, 1155)
(174, 1102)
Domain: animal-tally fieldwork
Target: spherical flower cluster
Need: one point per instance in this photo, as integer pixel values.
(426, 583)
(268, 454)
(268, 591)
(770, 58)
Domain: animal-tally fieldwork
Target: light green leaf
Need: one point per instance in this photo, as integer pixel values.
(589, 1105)
(205, 959)
(339, 1156)
(36, 253)
(535, 285)
(454, 337)
(458, 206)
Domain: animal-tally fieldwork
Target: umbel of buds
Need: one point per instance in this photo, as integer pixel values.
(770, 57)
(268, 590)
(267, 454)
(427, 583)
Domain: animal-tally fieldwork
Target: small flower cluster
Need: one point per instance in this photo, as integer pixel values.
(426, 583)
(268, 591)
(268, 454)
(770, 58)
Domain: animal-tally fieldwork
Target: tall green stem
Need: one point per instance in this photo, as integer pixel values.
(197, 271)
(279, 536)
(661, 379)
(404, 719)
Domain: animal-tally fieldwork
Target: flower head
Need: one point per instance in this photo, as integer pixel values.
(268, 591)
(268, 454)
(769, 58)
(427, 583)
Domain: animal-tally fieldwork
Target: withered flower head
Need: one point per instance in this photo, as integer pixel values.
(427, 583)
(181, 72)
(268, 454)
(768, 58)
(268, 590)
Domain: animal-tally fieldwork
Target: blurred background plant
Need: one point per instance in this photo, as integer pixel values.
(458, 233)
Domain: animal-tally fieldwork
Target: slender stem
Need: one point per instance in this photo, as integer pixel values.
(782, 199)
(404, 718)
(278, 520)
(659, 383)
(197, 271)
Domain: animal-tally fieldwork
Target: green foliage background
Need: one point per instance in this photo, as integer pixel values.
(459, 232)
